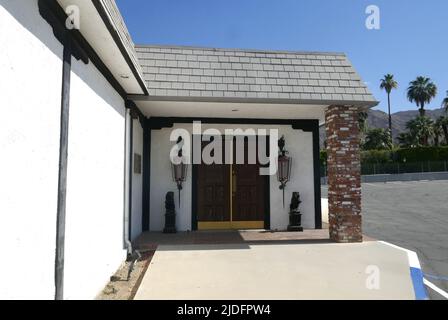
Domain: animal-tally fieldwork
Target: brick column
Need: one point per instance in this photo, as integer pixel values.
(344, 173)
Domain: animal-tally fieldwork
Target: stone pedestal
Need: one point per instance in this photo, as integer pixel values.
(295, 221)
(295, 217)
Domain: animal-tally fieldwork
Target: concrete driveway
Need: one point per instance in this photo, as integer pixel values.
(413, 215)
(278, 271)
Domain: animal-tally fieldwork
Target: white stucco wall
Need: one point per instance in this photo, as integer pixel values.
(299, 144)
(300, 147)
(30, 90)
(95, 183)
(161, 183)
(137, 182)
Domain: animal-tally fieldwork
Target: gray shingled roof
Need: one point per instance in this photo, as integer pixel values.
(229, 73)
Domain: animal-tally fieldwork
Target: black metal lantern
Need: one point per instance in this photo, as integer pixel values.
(179, 169)
(284, 166)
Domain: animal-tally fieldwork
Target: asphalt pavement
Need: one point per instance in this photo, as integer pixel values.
(413, 215)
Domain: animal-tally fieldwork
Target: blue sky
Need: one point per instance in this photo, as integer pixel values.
(411, 41)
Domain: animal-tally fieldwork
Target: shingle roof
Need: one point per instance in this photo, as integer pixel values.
(172, 71)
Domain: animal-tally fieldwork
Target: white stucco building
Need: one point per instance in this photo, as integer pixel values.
(85, 141)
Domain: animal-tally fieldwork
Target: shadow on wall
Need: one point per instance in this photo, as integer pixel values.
(96, 81)
(35, 24)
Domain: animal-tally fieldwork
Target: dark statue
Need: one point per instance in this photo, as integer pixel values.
(170, 214)
(295, 217)
(281, 146)
(295, 202)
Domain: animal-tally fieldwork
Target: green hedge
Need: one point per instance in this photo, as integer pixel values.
(399, 155)
(376, 156)
(323, 157)
(422, 154)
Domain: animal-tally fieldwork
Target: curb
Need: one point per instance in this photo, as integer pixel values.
(415, 271)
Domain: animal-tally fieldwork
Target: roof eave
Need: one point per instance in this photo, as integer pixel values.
(121, 36)
(366, 104)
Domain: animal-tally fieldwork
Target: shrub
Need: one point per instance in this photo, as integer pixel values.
(377, 139)
(422, 154)
(323, 157)
(376, 156)
(399, 155)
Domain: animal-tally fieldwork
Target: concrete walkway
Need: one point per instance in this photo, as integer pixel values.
(276, 271)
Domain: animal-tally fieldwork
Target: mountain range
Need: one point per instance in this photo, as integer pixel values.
(379, 119)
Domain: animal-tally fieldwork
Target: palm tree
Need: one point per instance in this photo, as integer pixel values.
(388, 83)
(362, 121)
(421, 129)
(406, 140)
(445, 103)
(442, 121)
(378, 139)
(421, 91)
(437, 132)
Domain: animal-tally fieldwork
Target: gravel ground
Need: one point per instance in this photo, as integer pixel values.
(120, 288)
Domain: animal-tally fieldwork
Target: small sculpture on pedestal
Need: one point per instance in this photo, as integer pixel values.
(170, 214)
(295, 217)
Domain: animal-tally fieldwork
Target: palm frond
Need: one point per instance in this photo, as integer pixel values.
(388, 83)
(445, 102)
(421, 91)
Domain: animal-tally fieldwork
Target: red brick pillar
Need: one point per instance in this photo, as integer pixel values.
(344, 173)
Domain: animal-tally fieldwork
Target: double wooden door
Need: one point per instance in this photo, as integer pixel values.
(231, 196)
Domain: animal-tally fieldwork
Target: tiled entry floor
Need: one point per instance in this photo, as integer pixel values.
(150, 240)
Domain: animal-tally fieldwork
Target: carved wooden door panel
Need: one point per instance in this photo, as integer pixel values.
(213, 192)
(248, 189)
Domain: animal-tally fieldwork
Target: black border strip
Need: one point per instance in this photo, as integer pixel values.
(194, 194)
(299, 124)
(317, 182)
(267, 203)
(157, 123)
(267, 192)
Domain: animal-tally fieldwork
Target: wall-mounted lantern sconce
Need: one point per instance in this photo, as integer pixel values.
(179, 169)
(284, 166)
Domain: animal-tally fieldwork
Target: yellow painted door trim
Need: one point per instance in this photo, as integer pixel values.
(230, 225)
